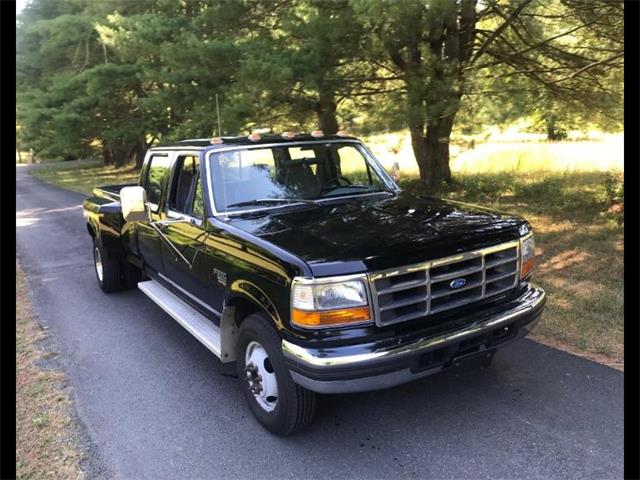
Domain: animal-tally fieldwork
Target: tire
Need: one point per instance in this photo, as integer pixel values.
(108, 270)
(294, 407)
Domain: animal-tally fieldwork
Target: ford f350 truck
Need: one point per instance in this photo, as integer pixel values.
(297, 257)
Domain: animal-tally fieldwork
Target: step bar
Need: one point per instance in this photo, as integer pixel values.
(193, 321)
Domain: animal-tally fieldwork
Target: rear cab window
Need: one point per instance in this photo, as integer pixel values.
(155, 176)
(185, 195)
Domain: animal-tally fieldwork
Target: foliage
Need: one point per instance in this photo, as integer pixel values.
(558, 63)
(113, 77)
(613, 189)
(611, 193)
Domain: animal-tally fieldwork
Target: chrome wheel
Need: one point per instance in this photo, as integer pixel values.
(260, 375)
(97, 259)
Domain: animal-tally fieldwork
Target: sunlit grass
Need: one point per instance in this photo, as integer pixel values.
(503, 154)
(83, 175)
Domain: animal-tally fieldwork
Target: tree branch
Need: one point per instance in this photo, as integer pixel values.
(529, 48)
(498, 31)
(587, 67)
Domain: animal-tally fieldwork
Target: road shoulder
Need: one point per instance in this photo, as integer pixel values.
(50, 439)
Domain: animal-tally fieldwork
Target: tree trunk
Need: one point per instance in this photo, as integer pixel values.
(120, 154)
(555, 133)
(326, 110)
(116, 153)
(420, 149)
(137, 152)
(437, 146)
(432, 150)
(107, 155)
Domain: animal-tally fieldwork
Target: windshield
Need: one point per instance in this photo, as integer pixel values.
(282, 174)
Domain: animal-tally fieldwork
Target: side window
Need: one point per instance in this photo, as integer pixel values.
(353, 166)
(156, 173)
(197, 209)
(185, 181)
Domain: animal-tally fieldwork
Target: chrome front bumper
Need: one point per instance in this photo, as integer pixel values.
(366, 367)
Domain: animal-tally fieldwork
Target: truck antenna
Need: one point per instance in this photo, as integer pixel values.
(218, 112)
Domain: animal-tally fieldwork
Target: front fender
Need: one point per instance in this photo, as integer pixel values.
(249, 291)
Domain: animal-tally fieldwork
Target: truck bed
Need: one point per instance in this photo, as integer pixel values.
(112, 192)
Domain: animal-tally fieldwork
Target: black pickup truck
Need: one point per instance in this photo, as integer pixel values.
(300, 259)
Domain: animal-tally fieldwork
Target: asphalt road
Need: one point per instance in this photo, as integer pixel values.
(156, 404)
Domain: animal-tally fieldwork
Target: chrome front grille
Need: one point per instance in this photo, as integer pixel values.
(415, 291)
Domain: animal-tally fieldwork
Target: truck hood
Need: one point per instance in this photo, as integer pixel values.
(378, 232)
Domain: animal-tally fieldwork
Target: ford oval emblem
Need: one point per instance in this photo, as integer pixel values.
(458, 283)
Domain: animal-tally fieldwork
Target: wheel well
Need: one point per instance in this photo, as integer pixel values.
(91, 230)
(244, 308)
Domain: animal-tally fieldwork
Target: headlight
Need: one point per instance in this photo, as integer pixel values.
(323, 303)
(527, 255)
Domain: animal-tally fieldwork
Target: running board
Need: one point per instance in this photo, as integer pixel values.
(193, 321)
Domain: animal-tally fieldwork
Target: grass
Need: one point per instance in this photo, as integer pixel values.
(508, 153)
(578, 223)
(572, 193)
(45, 430)
(82, 175)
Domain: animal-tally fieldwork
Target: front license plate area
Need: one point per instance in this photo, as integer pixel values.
(472, 362)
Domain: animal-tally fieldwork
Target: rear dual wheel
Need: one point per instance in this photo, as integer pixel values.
(277, 402)
(113, 274)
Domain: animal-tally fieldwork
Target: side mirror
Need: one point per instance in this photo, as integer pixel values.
(133, 201)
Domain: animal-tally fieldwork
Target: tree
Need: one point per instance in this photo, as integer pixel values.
(73, 95)
(322, 44)
(115, 76)
(438, 47)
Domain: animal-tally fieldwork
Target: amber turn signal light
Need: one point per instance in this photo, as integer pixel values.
(527, 267)
(323, 318)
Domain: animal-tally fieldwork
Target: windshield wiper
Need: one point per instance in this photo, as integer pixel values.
(263, 201)
(367, 188)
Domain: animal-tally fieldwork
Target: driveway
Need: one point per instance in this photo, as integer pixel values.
(156, 404)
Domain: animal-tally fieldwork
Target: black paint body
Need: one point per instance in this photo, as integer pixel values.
(261, 252)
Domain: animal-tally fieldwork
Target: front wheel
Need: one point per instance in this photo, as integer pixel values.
(277, 402)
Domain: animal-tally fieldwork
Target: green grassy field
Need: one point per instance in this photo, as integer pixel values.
(82, 175)
(577, 220)
(509, 152)
(572, 193)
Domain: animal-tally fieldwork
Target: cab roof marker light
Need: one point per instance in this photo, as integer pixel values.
(317, 134)
(255, 137)
(342, 133)
(217, 140)
(289, 135)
